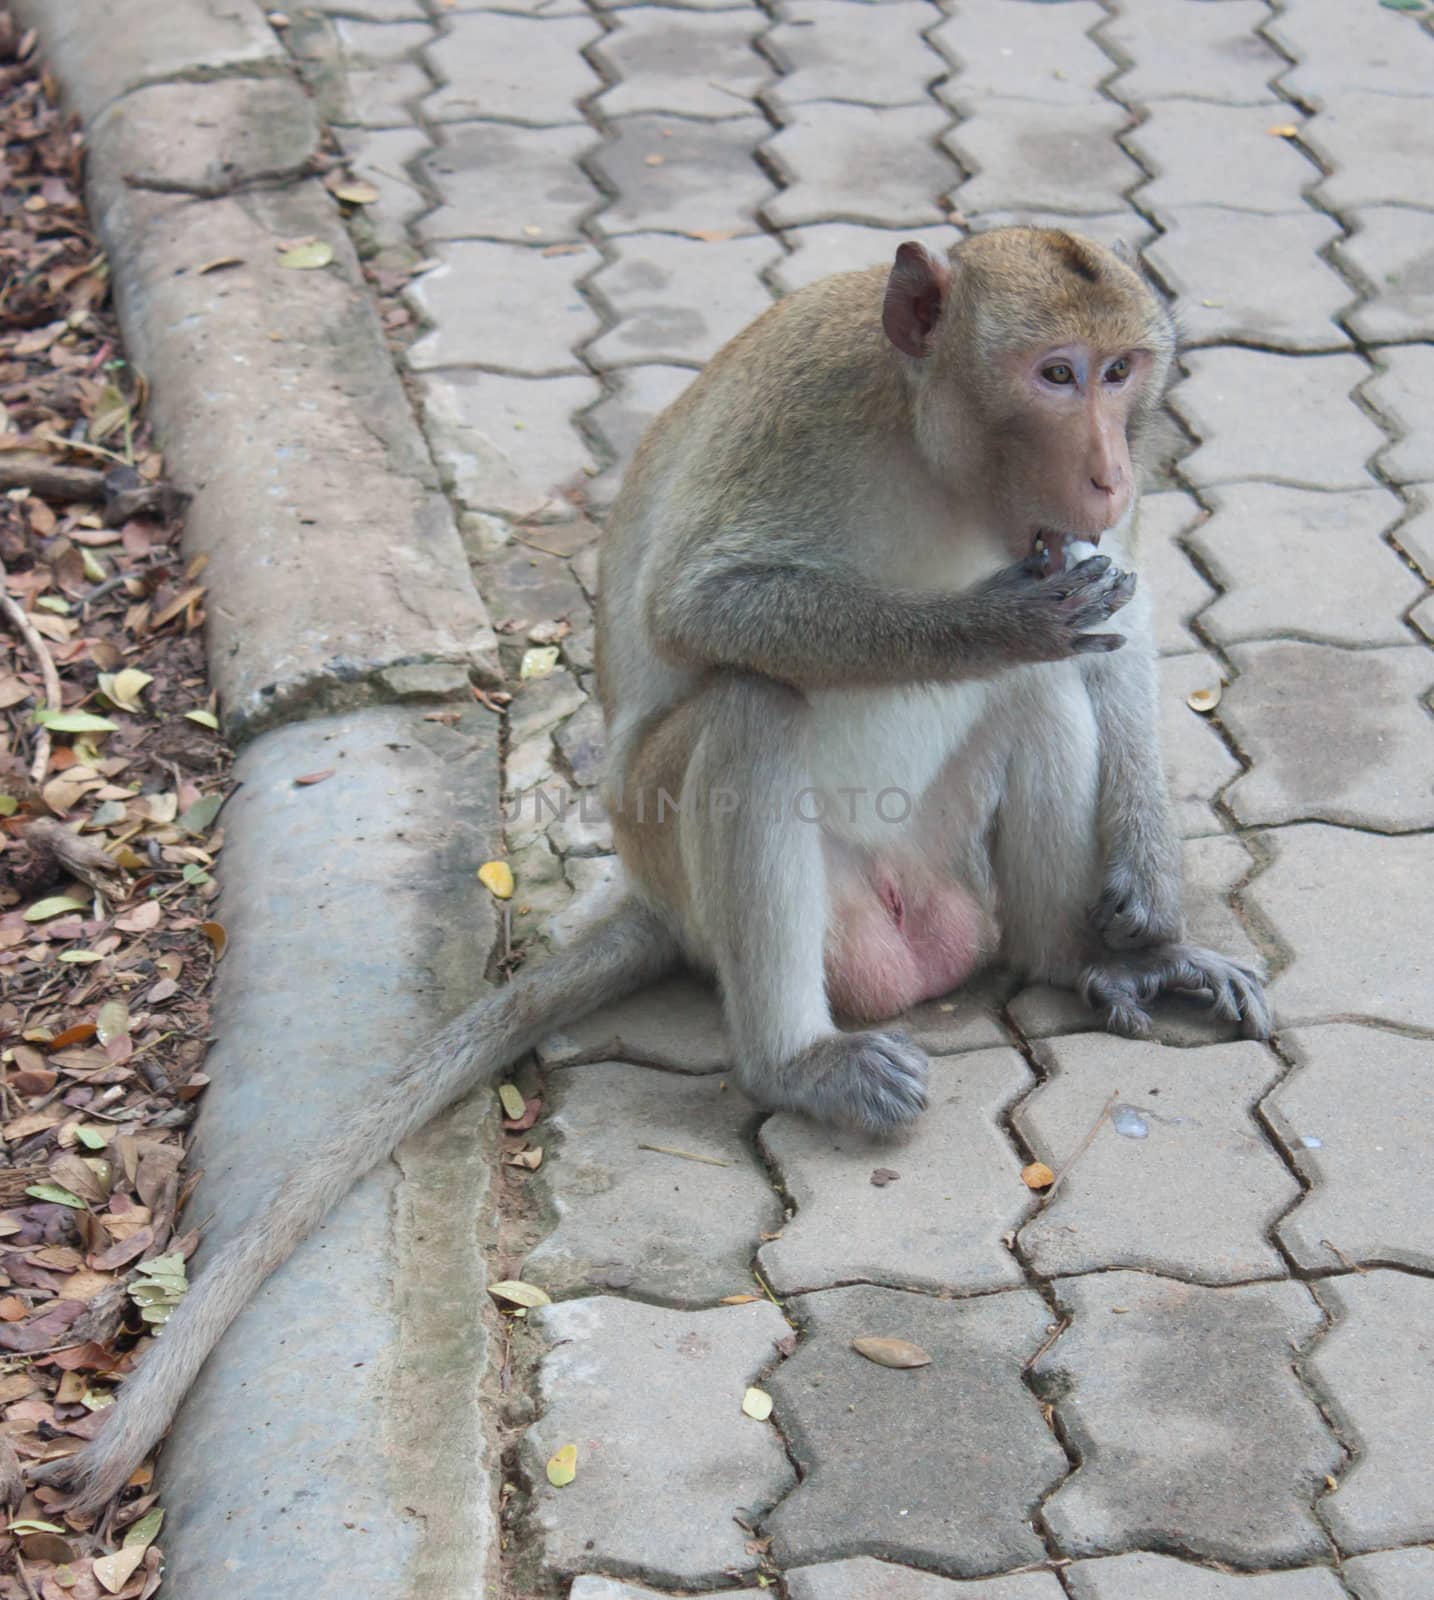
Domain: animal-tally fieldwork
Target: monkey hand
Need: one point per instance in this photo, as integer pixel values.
(1044, 616)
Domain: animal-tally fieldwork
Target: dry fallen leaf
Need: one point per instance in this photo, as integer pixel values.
(738, 1299)
(357, 193)
(497, 878)
(757, 1404)
(1037, 1176)
(563, 1467)
(114, 1571)
(1203, 700)
(886, 1352)
(538, 662)
(1284, 130)
(882, 1176)
(305, 257)
(513, 1292)
(311, 778)
(511, 1097)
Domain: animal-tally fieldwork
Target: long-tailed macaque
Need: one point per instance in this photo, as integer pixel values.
(869, 725)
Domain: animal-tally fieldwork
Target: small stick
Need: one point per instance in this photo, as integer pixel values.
(1080, 1149)
(37, 647)
(687, 1155)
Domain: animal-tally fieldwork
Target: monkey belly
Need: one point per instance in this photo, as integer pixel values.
(898, 935)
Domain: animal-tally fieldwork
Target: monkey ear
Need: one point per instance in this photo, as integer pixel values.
(915, 297)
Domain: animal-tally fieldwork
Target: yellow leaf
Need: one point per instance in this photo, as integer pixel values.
(757, 1404)
(538, 662)
(1284, 130)
(1037, 1176)
(497, 878)
(563, 1467)
(891, 1352)
(127, 686)
(738, 1299)
(304, 257)
(512, 1098)
(357, 193)
(516, 1293)
(116, 1570)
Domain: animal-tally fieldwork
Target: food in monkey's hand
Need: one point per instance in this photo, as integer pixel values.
(1059, 552)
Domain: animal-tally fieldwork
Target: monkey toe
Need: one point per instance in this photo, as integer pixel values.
(872, 1081)
(1120, 989)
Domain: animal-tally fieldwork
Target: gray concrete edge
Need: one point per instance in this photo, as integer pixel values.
(377, 1473)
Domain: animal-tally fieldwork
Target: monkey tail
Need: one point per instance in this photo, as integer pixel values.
(620, 954)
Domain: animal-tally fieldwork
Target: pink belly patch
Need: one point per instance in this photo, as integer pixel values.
(896, 940)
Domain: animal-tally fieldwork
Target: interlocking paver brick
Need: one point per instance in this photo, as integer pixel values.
(374, 10)
(1189, 1423)
(865, 1579)
(1354, 909)
(498, 181)
(1195, 52)
(1179, 592)
(1014, 53)
(1197, 763)
(624, 1382)
(681, 5)
(860, 164)
(503, 444)
(676, 299)
(1297, 561)
(638, 1219)
(1195, 148)
(1376, 1368)
(1290, 303)
(635, 396)
(515, 69)
(701, 176)
(675, 1024)
(1381, 149)
(592, 1588)
(381, 156)
(1392, 1575)
(849, 50)
(1354, 1120)
(1401, 392)
(685, 63)
(1177, 1180)
(1286, 419)
(965, 1020)
(1334, 735)
(939, 1225)
(1035, 156)
(1392, 250)
(1416, 537)
(1336, 50)
(365, 74)
(583, 742)
(878, 1478)
(534, 314)
(1142, 1576)
(831, 247)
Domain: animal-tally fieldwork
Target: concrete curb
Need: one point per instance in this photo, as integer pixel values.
(335, 1444)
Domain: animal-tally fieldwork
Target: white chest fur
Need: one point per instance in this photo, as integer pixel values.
(876, 752)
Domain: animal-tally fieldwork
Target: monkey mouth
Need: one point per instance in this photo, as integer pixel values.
(1058, 551)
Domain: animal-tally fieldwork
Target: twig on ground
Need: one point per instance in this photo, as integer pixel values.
(1080, 1149)
(37, 647)
(687, 1155)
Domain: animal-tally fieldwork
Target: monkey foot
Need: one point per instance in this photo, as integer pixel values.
(874, 1081)
(92, 1477)
(1122, 987)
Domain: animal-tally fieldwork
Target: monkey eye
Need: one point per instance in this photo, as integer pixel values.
(1118, 371)
(1058, 372)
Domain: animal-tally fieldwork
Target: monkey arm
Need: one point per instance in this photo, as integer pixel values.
(1141, 882)
(798, 616)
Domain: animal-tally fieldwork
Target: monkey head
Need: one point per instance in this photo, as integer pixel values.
(1035, 361)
